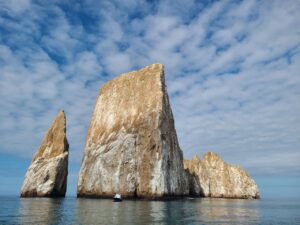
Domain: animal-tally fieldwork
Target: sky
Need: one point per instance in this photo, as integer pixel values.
(232, 72)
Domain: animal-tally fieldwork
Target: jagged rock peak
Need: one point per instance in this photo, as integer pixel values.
(196, 158)
(131, 145)
(211, 156)
(212, 177)
(55, 140)
(47, 173)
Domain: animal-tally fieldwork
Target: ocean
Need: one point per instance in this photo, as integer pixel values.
(71, 210)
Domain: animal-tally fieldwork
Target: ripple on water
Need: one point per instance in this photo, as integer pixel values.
(14, 210)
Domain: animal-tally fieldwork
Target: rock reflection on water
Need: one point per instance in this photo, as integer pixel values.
(41, 210)
(95, 211)
(105, 211)
(187, 211)
(229, 211)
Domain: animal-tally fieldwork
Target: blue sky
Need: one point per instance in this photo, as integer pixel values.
(232, 73)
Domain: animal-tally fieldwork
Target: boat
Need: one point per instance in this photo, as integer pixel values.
(117, 198)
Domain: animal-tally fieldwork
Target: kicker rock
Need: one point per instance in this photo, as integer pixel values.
(47, 174)
(131, 145)
(212, 177)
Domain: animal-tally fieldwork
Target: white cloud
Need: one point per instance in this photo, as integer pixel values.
(232, 71)
(15, 6)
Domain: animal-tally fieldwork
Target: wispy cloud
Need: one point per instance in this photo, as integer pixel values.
(232, 70)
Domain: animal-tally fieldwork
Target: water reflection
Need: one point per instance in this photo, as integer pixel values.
(187, 211)
(41, 211)
(171, 212)
(229, 211)
(95, 211)
(101, 211)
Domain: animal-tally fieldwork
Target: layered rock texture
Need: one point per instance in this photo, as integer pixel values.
(212, 177)
(131, 145)
(47, 174)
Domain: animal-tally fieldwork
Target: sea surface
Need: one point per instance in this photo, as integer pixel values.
(71, 210)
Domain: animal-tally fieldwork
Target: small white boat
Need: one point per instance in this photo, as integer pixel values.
(117, 198)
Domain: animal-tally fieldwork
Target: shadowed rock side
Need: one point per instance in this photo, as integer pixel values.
(47, 174)
(131, 145)
(212, 177)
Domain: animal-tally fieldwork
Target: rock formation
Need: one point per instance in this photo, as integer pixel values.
(47, 174)
(212, 177)
(131, 145)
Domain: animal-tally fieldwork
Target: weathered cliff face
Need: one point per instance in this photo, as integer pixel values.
(47, 174)
(212, 177)
(131, 145)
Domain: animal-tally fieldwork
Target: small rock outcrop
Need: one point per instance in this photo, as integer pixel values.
(47, 174)
(131, 145)
(212, 177)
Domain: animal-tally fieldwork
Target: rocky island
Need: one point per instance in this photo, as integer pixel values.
(212, 177)
(48, 171)
(131, 145)
(132, 149)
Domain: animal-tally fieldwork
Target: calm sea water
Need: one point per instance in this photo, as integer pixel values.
(186, 211)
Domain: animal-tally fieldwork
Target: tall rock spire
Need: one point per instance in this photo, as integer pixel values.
(48, 171)
(131, 145)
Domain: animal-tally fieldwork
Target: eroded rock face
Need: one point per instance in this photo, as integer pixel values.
(47, 174)
(212, 177)
(131, 145)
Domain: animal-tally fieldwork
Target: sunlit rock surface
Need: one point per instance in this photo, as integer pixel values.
(212, 177)
(131, 145)
(48, 171)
